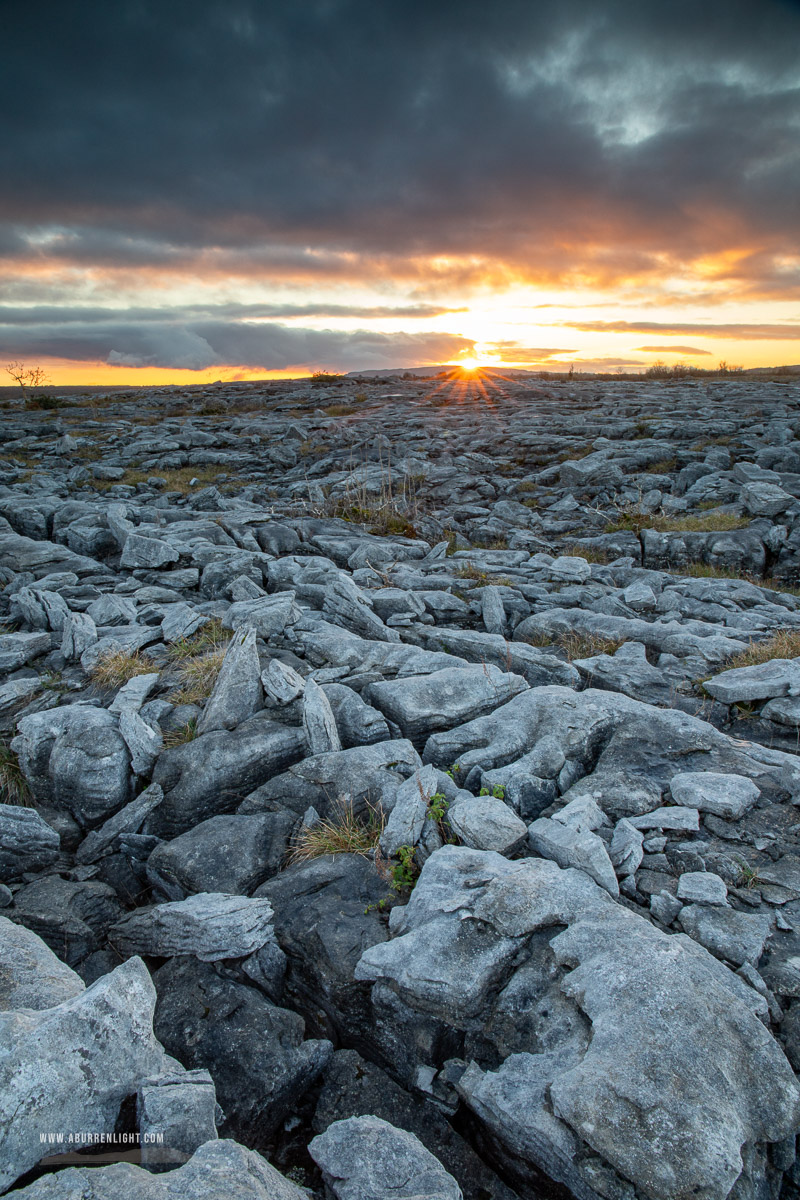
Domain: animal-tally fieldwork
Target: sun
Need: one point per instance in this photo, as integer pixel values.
(469, 364)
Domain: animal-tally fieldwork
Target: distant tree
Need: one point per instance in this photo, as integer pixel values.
(27, 377)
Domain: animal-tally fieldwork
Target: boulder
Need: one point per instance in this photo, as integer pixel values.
(209, 925)
(27, 842)
(366, 1158)
(232, 854)
(30, 974)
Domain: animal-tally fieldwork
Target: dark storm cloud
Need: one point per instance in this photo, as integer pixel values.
(201, 344)
(742, 332)
(142, 133)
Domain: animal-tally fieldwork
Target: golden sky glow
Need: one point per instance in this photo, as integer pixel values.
(594, 184)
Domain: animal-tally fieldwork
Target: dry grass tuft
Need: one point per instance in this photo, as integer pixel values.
(591, 554)
(211, 636)
(576, 645)
(635, 521)
(116, 667)
(13, 784)
(196, 678)
(341, 833)
(783, 644)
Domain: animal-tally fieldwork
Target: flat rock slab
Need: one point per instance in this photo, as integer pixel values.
(736, 937)
(728, 796)
(209, 925)
(424, 703)
(778, 677)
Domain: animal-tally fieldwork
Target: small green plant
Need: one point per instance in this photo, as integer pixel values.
(437, 807)
(13, 784)
(179, 737)
(453, 770)
(748, 876)
(52, 681)
(405, 871)
(498, 792)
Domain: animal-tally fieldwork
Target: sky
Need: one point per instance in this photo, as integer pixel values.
(234, 189)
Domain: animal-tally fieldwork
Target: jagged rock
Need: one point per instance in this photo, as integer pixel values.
(132, 695)
(142, 551)
(319, 723)
(662, 1012)
(79, 633)
(27, 842)
(736, 936)
(254, 1051)
(358, 723)
(73, 917)
(210, 925)
(409, 809)
(176, 1114)
(71, 1066)
(17, 649)
(268, 615)
(778, 677)
(536, 666)
(485, 823)
(232, 854)
(30, 974)
(626, 851)
(364, 774)
(143, 741)
(281, 682)
(571, 847)
(366, 1158)
(327, 912)
(345, 604)
(213, 773)
(128, 820)
(728, 796)
(702, 887)
(237, 692)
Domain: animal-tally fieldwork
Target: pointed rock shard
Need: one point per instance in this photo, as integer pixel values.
(237, 693)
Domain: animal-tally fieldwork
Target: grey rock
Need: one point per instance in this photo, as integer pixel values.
(27, 842)
(319, 723)
(736, 936)
(30, 974)
(209, 925)
(358, 723)
(765, 499)
(661, 1011)
(17, 649)
(132, 695)
(151, 552)
(485, 823)
(425, 703)
(535, 666)
(71, 1066)
(281, 683)
(665, 907)
(626, 851)
(175, 1113)
(778, 677)
(181, 621)
(268, 615)
(71, 916)
(702, 887)
(675, 816)
(785, 710)
(254, 1051)
(345, 604)
(231, 854)
(143, 741)
(366, 1158)
(74, 758)
(409, 808)
(79, 634)
(213, 773)
(129, 819)
(572, 847)
(237, 692)
(728, 796)
(365, 774)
